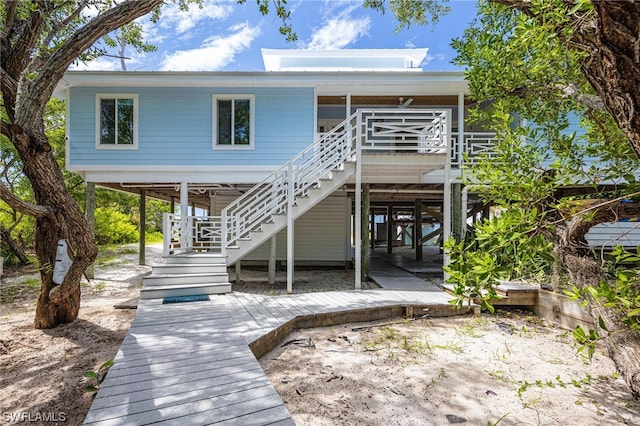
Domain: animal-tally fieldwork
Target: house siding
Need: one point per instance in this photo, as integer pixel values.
(175, 127)
(320, 235)
(626, 234)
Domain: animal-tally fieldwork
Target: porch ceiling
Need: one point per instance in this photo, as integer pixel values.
(393, 100)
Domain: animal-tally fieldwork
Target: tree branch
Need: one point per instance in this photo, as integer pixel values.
(5, 129)
(43, 54)
(53, 70)
(22, 206)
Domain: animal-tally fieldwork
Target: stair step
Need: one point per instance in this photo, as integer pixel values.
(190, 290)
(189, 268)
(154, 280)
(196, 258)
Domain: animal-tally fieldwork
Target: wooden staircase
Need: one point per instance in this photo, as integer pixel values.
(285, 195)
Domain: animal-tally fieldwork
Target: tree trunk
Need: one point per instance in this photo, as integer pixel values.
(14, 246)
(57, 304)
(613, 65)
(623, 344)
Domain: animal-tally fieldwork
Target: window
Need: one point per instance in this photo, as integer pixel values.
(116, 121)
(233, 121)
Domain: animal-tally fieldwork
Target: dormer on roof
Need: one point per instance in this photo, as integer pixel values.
(409, 60)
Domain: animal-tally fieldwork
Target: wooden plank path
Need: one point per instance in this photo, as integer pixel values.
(191, 363)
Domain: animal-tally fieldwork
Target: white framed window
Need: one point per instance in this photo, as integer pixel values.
(233, 121)
(116, 121)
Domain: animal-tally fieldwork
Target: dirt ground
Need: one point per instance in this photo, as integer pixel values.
(509, 369)
(471, 371)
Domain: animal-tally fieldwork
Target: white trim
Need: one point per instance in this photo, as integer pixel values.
(214, 121)
(99, 97)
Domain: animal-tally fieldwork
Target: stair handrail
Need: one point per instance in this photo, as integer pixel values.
(277, 191)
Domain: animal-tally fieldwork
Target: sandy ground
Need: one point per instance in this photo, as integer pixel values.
(430, 371)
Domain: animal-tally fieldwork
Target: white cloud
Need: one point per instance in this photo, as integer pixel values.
(98, 64)
(339, 29)
(183, 21)
(215, 52)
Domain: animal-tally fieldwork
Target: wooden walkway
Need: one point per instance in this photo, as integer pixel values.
(193, 363)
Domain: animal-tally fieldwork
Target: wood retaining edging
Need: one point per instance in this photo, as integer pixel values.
(265, 343)
(561, 309)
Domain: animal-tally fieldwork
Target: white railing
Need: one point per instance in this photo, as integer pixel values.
(275, 193)
(395, 130)
(412, 131)
(474, 145)
(202, 233)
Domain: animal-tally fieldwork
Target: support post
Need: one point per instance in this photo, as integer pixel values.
(271, 273)
(446, 203)
(372, 227)
(290, 221)
(459, 211)
(390, 230)
(184, 213)
(417, 228)
(358, 205)
(90, 213)
(366, 214)
(238, 271)
(143, 227)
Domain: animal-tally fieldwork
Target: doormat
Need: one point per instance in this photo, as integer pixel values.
(185, 299)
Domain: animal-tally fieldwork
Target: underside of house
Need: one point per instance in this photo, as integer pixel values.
(312, 162)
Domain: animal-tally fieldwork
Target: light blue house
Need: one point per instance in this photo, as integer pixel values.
(278, 160)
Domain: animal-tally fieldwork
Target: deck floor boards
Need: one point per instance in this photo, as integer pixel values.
(190, 363)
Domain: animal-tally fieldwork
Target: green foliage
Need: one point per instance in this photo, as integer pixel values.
(97, 378)
(620, 294)
(407, 12)
(503, 248)
(114, 227)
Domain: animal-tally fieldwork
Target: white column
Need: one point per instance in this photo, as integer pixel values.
(271, 273)
(290, 222)
(460, 127)
(446, 214)
(358, 203)
(184, 213)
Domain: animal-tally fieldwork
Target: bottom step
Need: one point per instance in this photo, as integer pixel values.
(159, 292)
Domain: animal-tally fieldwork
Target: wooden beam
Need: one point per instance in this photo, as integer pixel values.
(271, 268)
(417, 228)
(436, 214)
(430, 235)
(143, 226)
(90, 213)
(390, 233)
(456, 206)
(366, 213)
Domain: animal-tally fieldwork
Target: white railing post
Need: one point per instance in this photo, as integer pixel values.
(167, 219)
(461, 134)
(358, 202)
(290, 236)
(446, 204)
(223, 233)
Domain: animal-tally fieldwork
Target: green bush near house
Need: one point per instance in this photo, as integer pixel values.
(114, 227)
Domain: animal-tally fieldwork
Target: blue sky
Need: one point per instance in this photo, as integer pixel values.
(224, 36)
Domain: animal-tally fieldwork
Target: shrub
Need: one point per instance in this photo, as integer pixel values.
(113, 227)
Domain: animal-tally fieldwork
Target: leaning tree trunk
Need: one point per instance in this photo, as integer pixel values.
(57, 304)
(623, 343)
(14, 246)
